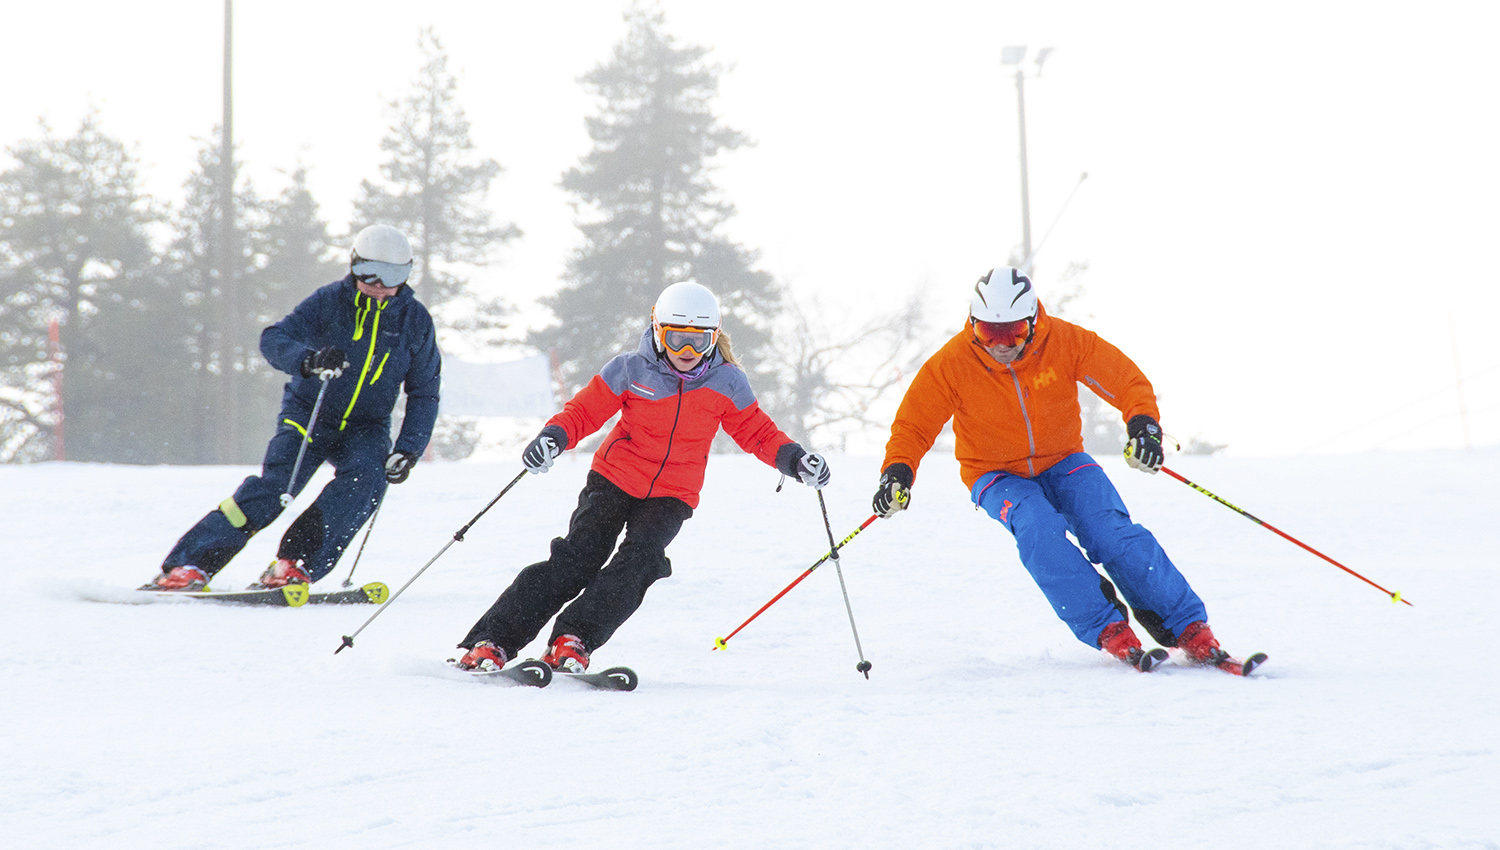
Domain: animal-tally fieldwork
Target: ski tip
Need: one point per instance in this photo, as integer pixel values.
(1151, 660)
(1252, 662)
(534, 673)
(376, 592)
(621, 678)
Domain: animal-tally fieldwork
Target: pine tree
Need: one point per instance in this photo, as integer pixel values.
(279, 256)
(434, 191)
(294, 255)
(656, 213)
(73, 249)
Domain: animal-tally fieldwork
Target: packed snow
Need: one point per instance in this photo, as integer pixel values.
(187, 724)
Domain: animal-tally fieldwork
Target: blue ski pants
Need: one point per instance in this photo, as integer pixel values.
(319, 535)
(1076, 496)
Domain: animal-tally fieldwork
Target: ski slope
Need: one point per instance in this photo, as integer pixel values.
(983, 723)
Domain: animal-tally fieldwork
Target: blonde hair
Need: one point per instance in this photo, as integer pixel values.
(726, 351)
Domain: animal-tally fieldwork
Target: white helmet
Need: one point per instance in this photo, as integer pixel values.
(1003, 294)
(685, 305)
(381, 254)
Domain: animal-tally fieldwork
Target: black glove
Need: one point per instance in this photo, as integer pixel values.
(812, 469)
(1144, 449)
(398, 466)
(544, 449)
(328, 360)
(895, 490)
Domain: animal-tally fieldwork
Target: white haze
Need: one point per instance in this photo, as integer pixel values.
(1289, 211)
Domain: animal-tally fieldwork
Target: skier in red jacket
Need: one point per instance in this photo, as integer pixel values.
(673, 393)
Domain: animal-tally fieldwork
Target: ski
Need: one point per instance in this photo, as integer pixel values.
(290, 596)
(1150, 660)
(373, 593)
(532, 673)
(1228, 663)
(610, 679)
(1236, 667)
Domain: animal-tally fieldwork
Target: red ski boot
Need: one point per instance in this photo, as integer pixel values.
(1119, 640)
(484, 656)
(179, 578)
(568, 654)
(1198, 643)
(281, 573)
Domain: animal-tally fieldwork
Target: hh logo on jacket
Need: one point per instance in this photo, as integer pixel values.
(1045, 378)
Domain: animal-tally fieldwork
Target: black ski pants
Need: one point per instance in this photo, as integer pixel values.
(606, 594)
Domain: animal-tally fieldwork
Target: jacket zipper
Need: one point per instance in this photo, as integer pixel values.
(359, 329)
(670, 436)
(1025, 417)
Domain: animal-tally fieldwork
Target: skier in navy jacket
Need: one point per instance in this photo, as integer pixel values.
(367, 336)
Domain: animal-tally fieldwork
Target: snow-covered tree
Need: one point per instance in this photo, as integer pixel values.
(649, 213)
(73, 250)
(434, 189)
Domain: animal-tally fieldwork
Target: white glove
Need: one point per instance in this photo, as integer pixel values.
(539, 456)
(812, 468)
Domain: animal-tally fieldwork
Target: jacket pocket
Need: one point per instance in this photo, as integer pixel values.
(611, 447)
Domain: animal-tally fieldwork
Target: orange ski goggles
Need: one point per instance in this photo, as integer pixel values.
(684, 340)
(1001, 334)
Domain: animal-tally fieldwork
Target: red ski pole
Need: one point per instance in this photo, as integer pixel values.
(719, 643)
(1394, 595)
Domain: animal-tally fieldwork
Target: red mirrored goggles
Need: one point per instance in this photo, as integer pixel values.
(682, 341)
(1002, 334)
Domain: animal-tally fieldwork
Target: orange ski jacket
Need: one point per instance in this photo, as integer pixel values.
(1020, 417)
(667, 423)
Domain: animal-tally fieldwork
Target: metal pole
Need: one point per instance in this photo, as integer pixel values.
(1025, 182)
(228, 286)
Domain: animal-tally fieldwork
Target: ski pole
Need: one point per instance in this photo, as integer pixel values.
(863, 666)
(286, 498)
(349, 579)
(1394, 595)
(458, 537)
(720, 643)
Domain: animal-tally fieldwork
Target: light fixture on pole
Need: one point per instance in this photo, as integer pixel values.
(1015, 56)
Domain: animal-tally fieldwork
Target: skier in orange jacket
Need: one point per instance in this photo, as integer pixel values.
(1008, 381)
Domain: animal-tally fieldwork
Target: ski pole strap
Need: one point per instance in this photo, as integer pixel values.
(1394, 595)
(719, 643)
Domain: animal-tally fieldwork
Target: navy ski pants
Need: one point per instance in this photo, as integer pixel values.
(606, 594)
(1076, 496)
(316, 538)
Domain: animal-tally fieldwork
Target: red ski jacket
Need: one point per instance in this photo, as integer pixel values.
(660, 445)
(1021, 417)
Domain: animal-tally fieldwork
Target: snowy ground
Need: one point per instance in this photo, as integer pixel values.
(984, 724)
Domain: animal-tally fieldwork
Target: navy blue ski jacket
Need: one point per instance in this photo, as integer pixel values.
(389, 344)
